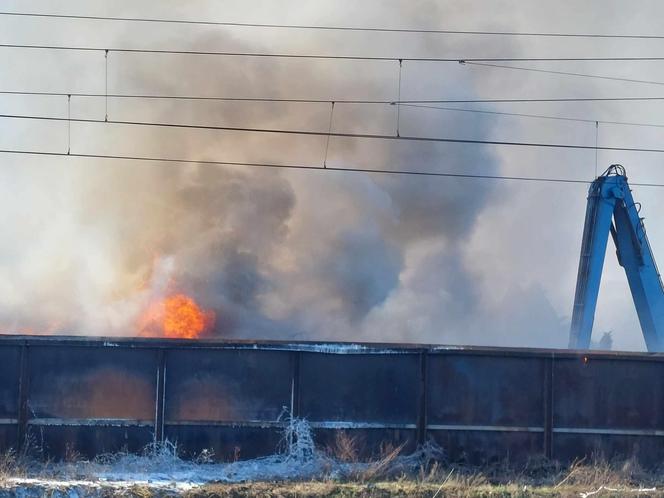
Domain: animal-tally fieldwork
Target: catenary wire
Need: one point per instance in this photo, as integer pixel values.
(329, 101)
(462, 60)
(305, 167)
(314, 168)
(536, 116)
(404, 103)
(422, 104)
(333, 28)
(406, 138)
(563, 73)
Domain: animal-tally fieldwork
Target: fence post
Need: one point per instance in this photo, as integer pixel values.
(295, 384)
(548, 407)
(23, 388)
(422, 404)
(161, 397)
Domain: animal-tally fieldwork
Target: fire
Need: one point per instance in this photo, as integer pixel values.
(178, 317)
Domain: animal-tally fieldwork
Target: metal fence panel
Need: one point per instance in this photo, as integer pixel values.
(483, 408)
(89, 396)
(90, 399)
(231, 401)
(598, 393)
(483, 390)
(371, 398)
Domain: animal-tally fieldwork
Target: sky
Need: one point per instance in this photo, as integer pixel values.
(88, 244)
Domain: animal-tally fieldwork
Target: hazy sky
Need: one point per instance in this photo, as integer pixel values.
(322, 255)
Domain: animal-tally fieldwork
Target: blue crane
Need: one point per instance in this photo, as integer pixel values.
(611, 209)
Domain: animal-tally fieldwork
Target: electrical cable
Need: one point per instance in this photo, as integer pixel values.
(565, 73)
(334, 28)
(329, 101)
(315, 168)
(403, 103)
(538, 116)
(461, 60)
(338, 134)
(308, 167)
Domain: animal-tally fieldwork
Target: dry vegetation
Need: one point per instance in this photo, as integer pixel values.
(389, 476)
(346, 474)
(543, 479)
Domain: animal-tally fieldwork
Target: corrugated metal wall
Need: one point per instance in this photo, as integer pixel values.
(61, 396)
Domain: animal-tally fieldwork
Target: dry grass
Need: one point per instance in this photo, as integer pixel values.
(595, 477)
(377, 490)
(424, 473)
(599, 471)
(345, 448)
(461, 488)
(321, 490)
(139, 491)
(383, 467)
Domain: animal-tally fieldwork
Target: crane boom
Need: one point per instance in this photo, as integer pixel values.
(611, 209)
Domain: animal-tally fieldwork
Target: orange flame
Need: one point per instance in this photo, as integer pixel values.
(177, 317)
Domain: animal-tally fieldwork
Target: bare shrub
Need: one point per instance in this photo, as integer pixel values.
(384, 466)
(206, 456)
(344, 448)
(72, 455)
(8, 464)
(298, 440)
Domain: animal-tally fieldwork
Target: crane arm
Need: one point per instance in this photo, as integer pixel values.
(610, 198)
(599, 211)
(635, 256)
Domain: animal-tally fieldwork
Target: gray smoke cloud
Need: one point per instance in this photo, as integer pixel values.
(283, 254)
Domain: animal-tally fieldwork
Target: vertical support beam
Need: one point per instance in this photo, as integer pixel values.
(161, 397)
(295, 384)
(636, 257)
(548, 406)
(599, 212)
(295, 392)
(422, 404)
(23, 389)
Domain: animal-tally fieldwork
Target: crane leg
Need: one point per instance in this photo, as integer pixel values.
(599, 213)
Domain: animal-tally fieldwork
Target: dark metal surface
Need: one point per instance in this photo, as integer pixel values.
(372, 398)
(482, 408)
(228, 443)
(10, 364)
(76, 395)
(485, 390)
(226, 385)
(71, 441)
(98, 382)
(608, 393)
(226, 400)
(648, 449)
(359, 388)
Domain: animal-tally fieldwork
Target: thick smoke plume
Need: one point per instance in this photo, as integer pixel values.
(278, 254)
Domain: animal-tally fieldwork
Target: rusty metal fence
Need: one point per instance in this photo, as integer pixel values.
(93, 396)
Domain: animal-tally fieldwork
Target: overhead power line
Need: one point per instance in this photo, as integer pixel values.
(565, 73)
(335, 28)
(535, 116)
(306, 167)
(500, 113)
(398, 172)
(406, 138)
(421, 104)
(83, 48)
(329, 101)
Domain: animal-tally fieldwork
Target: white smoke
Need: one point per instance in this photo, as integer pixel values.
(279, 253)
